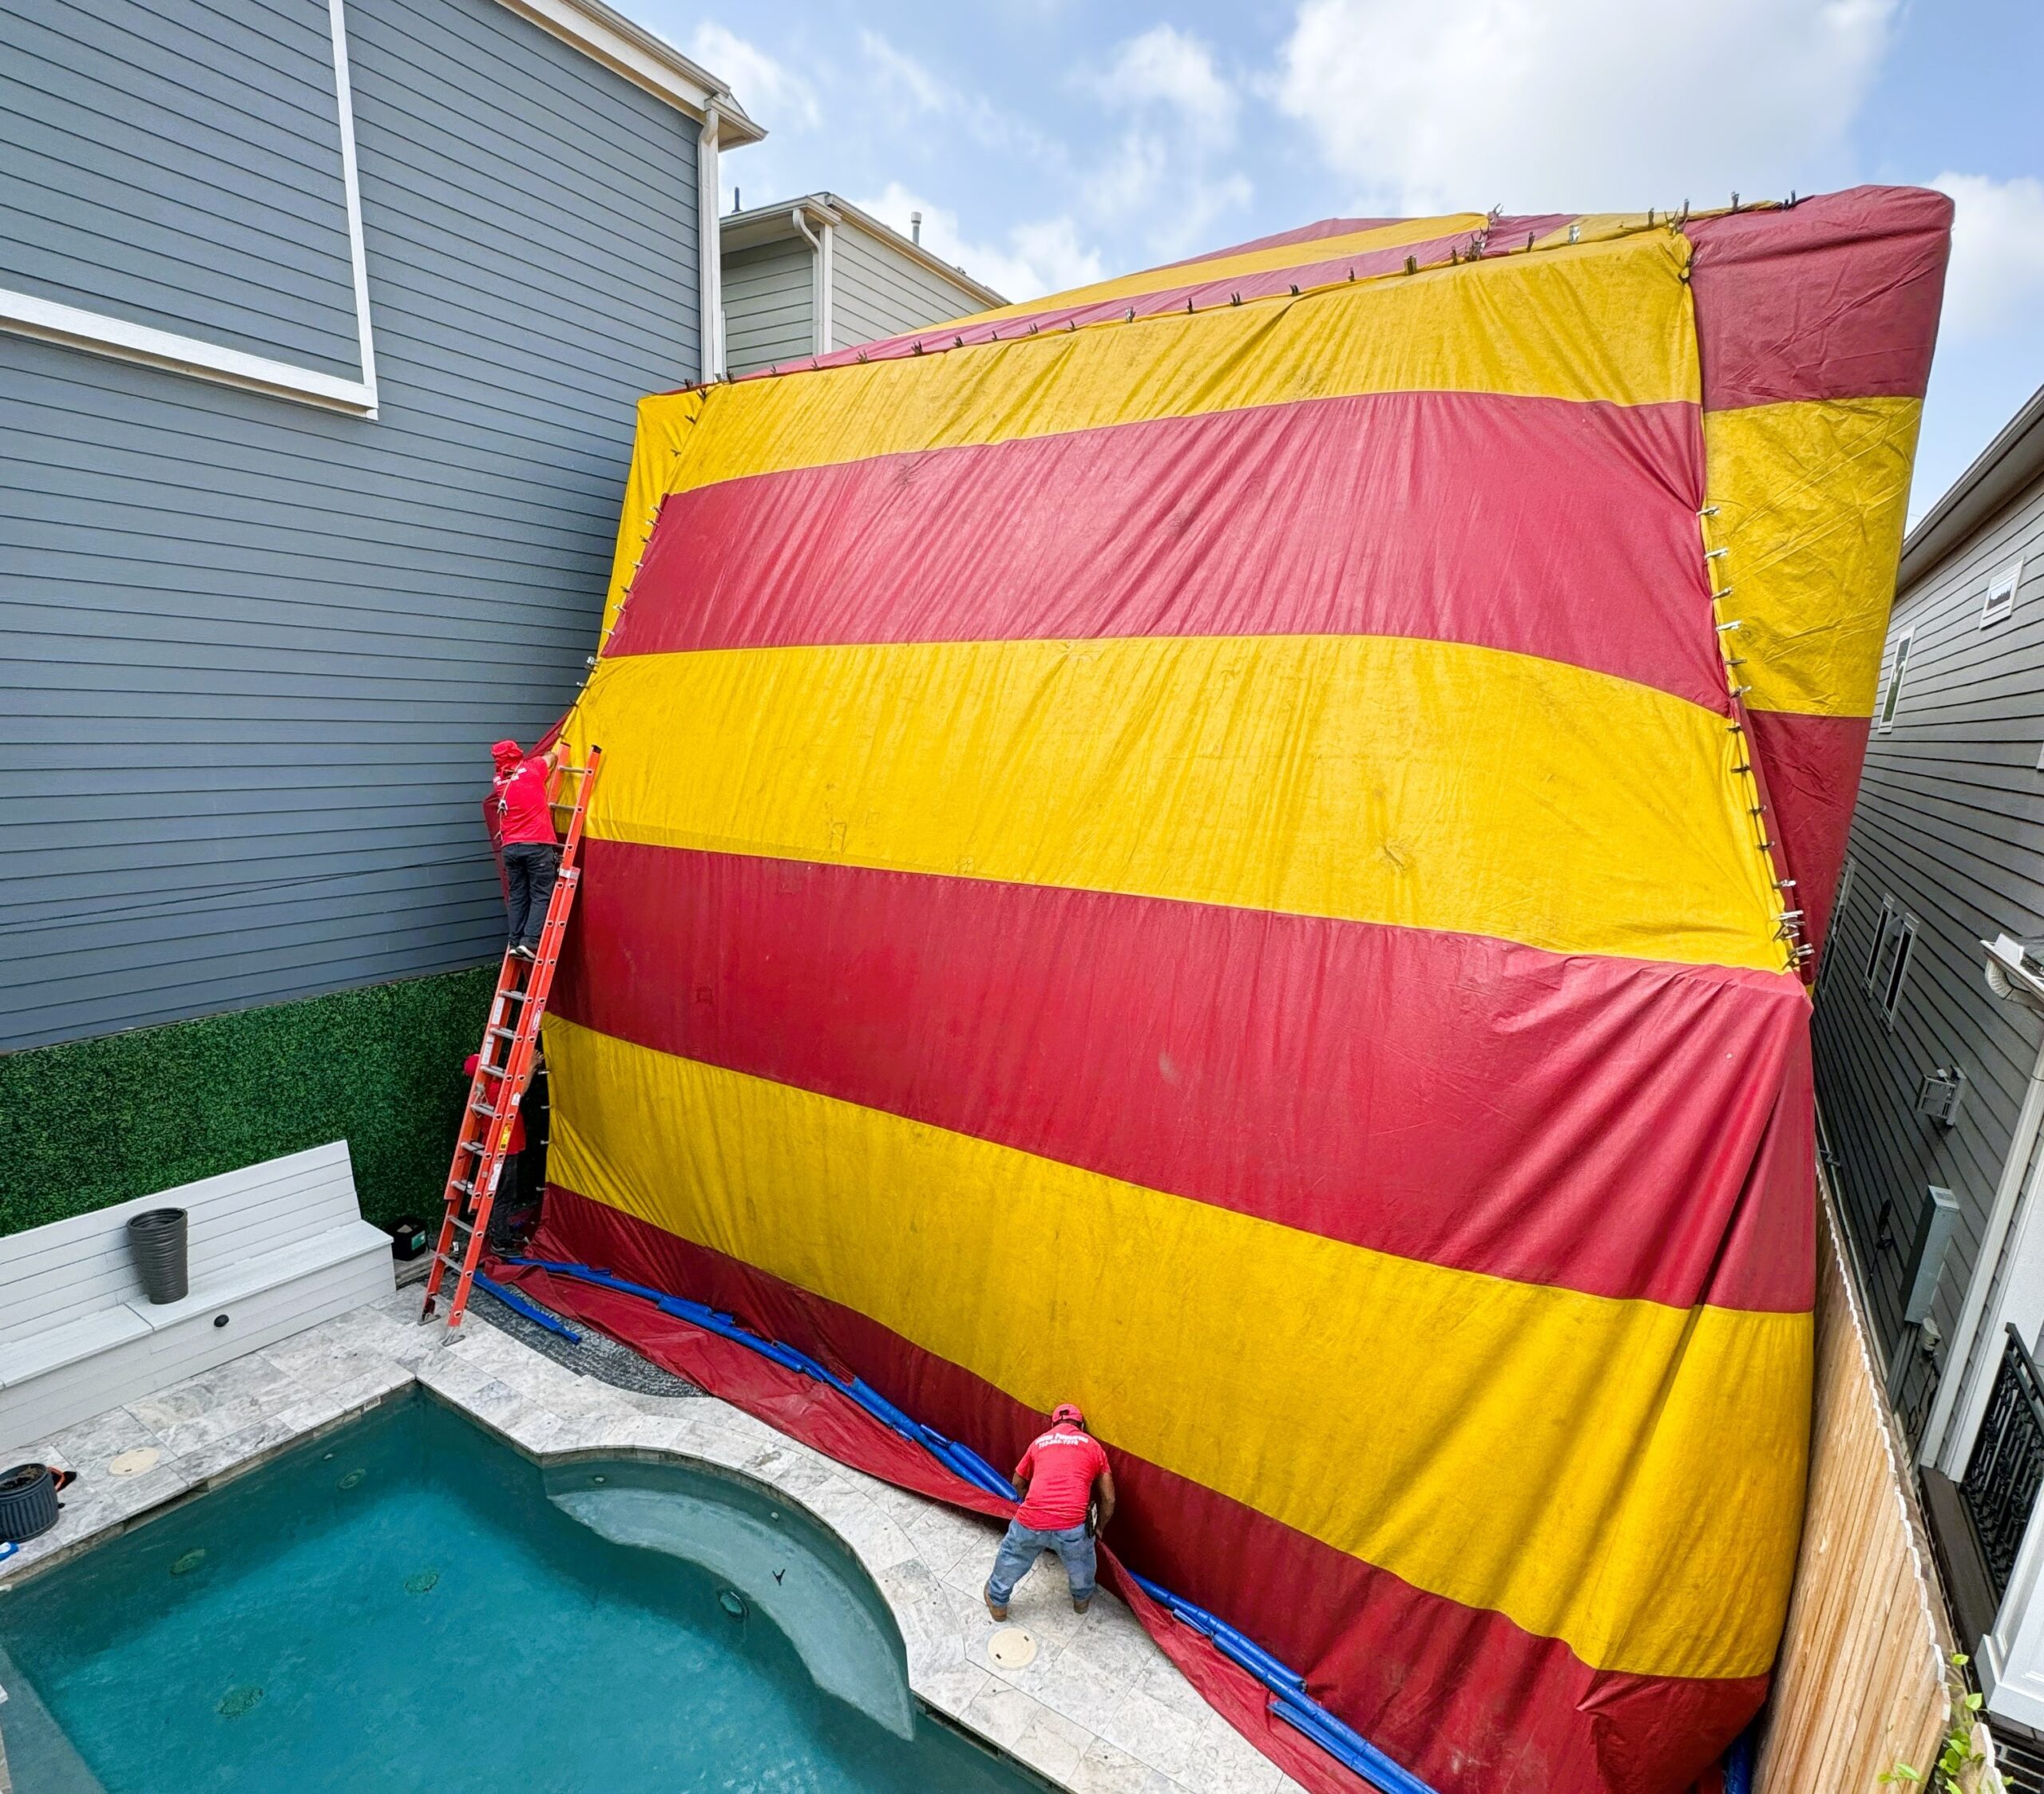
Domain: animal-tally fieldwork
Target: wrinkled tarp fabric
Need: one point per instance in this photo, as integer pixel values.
(1219, 864)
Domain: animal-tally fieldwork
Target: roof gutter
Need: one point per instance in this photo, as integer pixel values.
(1999, 474)
(644, 58)
(820, 276)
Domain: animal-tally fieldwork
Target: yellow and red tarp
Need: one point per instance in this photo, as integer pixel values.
(1199, 847)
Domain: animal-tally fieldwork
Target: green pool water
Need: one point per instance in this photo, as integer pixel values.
(410, 1605)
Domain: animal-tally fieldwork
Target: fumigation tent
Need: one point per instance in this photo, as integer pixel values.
(1245, 846)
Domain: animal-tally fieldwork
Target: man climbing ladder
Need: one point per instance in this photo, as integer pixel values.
(503, 1066)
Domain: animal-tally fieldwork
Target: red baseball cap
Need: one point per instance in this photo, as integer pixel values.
(1067, 1410)
(506, 752)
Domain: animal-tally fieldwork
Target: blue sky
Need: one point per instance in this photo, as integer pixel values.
(1048, 142)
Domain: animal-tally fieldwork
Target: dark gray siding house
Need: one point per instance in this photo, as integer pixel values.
(1927, 1078)
(804, 276)
(322, 324)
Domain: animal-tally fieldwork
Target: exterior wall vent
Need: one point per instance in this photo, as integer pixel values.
(2001, 593)
(1938, 1098)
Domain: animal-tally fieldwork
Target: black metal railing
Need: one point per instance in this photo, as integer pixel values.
(2007, 1465)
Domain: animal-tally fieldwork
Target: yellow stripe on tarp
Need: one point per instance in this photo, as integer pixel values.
(1609, 321)
(1251, 261)
(1811, 498)
(1624, 1476)
(1427, 784)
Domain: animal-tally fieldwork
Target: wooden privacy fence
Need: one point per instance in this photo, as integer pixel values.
(1860, 1682)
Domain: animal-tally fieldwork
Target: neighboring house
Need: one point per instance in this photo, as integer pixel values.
(1929, 1081)
(322, 328)
(804, 276)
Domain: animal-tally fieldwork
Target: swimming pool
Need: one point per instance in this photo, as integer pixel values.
(409, 1604)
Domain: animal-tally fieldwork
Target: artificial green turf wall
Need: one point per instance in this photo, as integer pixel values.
(95, 1122)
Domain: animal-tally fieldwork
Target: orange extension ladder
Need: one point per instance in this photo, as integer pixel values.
(501, 1076)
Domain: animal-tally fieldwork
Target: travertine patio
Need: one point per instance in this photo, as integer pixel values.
(1099, 1710)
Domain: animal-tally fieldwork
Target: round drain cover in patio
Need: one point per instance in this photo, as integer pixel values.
(134, 1463)
(1011, 1648)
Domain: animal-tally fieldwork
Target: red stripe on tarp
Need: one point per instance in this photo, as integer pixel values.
(1465, 1699)
(1811, 765)
(1836, 297)
(1541, 526)
(1238, 1057)
(1316, 232)
(1308, 272)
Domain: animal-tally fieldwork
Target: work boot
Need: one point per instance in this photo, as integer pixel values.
(1081, 1602)
(999, 1610)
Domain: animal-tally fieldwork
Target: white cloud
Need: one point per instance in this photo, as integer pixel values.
(1580, 103)
(1044, 256)
(898, 72)
(1168, 67)
(758, 83)
(1169, 175)
(1996, 280)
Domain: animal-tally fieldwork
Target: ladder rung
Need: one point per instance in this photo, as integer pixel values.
(503, 1033)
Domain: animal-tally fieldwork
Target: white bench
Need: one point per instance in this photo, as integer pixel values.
(273, 1250)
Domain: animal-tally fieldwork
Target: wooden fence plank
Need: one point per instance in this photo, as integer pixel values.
(1859, 1683)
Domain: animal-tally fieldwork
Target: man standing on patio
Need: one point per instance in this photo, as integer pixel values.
(1059, 1478)
(521, 819)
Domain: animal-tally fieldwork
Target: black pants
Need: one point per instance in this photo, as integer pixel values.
(530, 868)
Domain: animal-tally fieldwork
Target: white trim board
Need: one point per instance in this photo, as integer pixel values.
(645, 59)
(102, 334)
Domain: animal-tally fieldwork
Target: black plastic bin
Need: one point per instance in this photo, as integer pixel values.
(28, 1501)
(156, 1239)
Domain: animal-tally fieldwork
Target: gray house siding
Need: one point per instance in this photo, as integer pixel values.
(769, 304)
(254, 650)
(1950, 827)
(179, 167)
(879, 292)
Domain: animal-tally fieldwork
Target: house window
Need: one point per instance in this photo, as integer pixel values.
(1839, 898)
(2001, 593)
(1894, 693)
(1881, 929)
(1897, 967)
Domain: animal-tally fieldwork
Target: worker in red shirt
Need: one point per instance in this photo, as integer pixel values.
(1060, 1477)
(522, 818)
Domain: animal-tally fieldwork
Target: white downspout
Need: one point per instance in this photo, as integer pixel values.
(1941, 1437)
(710, 247)
(820, 283)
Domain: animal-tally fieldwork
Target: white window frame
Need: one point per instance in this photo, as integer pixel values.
(102, 333)
(1891, 694)
(1999, 604)
(1839, 899)
(1888, 999)
(1868, 975)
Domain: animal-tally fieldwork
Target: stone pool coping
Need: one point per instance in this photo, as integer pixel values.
(1099, 1710)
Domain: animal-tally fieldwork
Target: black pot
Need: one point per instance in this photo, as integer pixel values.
(156, 1240)
(28, 1501)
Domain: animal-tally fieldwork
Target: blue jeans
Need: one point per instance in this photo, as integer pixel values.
(1020, 1549)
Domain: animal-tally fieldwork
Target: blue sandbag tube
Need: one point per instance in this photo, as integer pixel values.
(517, 1303)
(1290, 1701)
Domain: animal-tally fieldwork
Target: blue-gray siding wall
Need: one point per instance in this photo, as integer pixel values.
(179, 167)
(1950, 827)
(253, 651)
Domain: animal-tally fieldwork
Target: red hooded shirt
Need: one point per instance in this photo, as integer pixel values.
(519, 794)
